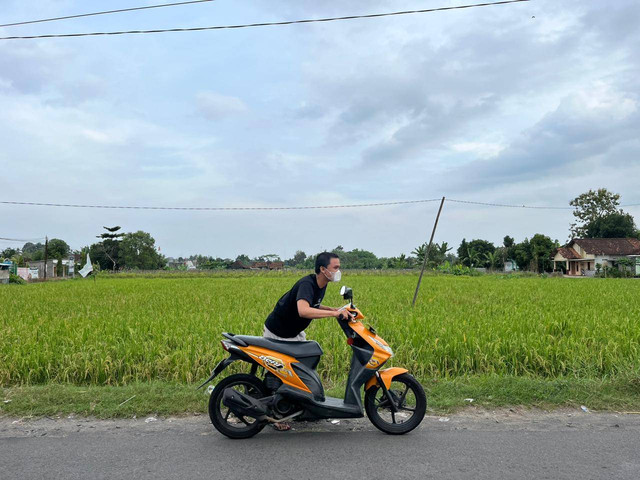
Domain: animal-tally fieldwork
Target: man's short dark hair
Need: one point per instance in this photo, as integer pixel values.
(323, 259)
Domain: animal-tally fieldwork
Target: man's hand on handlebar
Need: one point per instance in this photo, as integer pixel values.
(344, 314)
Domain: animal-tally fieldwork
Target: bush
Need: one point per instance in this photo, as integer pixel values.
(613, 272)
(13, 278)
(457, 269)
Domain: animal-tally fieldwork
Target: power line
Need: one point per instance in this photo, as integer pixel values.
(103, 13)
(316, 207)
(21, 239)
(486, 204)
(541, 207)
(305, 207)
(264, 24)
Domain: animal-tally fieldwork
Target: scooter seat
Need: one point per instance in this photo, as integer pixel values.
(294, 349)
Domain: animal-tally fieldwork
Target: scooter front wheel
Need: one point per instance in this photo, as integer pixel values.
(225, 421)
(409, 400)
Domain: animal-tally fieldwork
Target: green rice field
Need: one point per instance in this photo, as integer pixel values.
(124, 330)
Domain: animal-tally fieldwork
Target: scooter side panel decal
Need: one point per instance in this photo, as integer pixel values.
(386, 375)
(277, 363)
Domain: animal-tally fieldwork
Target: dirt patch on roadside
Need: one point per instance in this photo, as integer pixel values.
(471, 418)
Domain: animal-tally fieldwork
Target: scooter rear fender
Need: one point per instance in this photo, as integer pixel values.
(224, 364)
(386, 375)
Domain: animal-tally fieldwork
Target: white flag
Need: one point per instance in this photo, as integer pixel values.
(87, 269)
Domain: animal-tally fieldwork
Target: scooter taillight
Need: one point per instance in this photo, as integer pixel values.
(224, 345)
(350, 341)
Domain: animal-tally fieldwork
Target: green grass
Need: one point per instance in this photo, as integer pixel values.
(161, 333)
(444, 396)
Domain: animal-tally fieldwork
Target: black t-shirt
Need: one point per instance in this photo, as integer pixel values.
(284, 321)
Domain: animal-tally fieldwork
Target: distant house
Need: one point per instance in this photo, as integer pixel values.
(238, 265)
(38, 265)
(267, 265)
(580, 256)
(4, 272)
(178, 264)
(510, 266)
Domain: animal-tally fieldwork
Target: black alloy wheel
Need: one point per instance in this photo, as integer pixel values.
(410, 404)
(225, 421)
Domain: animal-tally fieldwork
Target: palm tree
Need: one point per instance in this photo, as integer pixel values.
(492, 258)
(473, 257)
(444, 248)
(420, 252)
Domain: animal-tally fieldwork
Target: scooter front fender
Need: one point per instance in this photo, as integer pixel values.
(386, 375)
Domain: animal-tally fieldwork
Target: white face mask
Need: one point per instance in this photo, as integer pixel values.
(333, 277)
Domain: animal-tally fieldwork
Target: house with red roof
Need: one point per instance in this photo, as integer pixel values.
(581, 255)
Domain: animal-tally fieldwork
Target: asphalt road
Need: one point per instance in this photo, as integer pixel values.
(474, 444)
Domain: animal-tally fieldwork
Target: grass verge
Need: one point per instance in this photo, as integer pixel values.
(445, 396)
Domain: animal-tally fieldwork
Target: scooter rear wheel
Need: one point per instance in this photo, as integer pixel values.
(410, 402)
(225, 421)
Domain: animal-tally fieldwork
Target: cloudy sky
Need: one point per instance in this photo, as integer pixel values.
(530, 103)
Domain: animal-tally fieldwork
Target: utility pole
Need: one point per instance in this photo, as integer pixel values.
(46, 255)
(426, 254)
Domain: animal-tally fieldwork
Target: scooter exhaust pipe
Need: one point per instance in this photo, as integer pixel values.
(244, 405)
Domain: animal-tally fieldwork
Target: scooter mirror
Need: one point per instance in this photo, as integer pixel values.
(346, 293)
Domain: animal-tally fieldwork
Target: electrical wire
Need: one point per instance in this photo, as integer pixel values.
(306, 207)
(21, 239)
(316, 207)
(106, 12)
(264, 24)
(486, 204)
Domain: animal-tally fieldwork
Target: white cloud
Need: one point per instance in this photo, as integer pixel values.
(479, 149)
(214, 106)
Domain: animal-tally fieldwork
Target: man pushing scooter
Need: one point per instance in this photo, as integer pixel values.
(283, 382)
(303, 303)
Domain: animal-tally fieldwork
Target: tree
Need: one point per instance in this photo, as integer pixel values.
(463, 252)
(542, 248)
(297, 260)
(31, 250)
(110, 244)
(398, 262)
(522, 254)
(535, 254)
(299, 257)
(243, 259)
(475, 258)
(58, 248)
(420, 251)
(508, 242)
(9, 252)
(591, 206)
(60, 267)
(474, 253)
(437, 253)
(615, 225)
(137, 250)
(493, 258)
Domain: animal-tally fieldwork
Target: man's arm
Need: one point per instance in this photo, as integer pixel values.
(324, 307)
(307, 311)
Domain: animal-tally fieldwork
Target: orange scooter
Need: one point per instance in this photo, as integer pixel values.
(242, 404)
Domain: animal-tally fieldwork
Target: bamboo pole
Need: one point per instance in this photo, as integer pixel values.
(426, 254)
